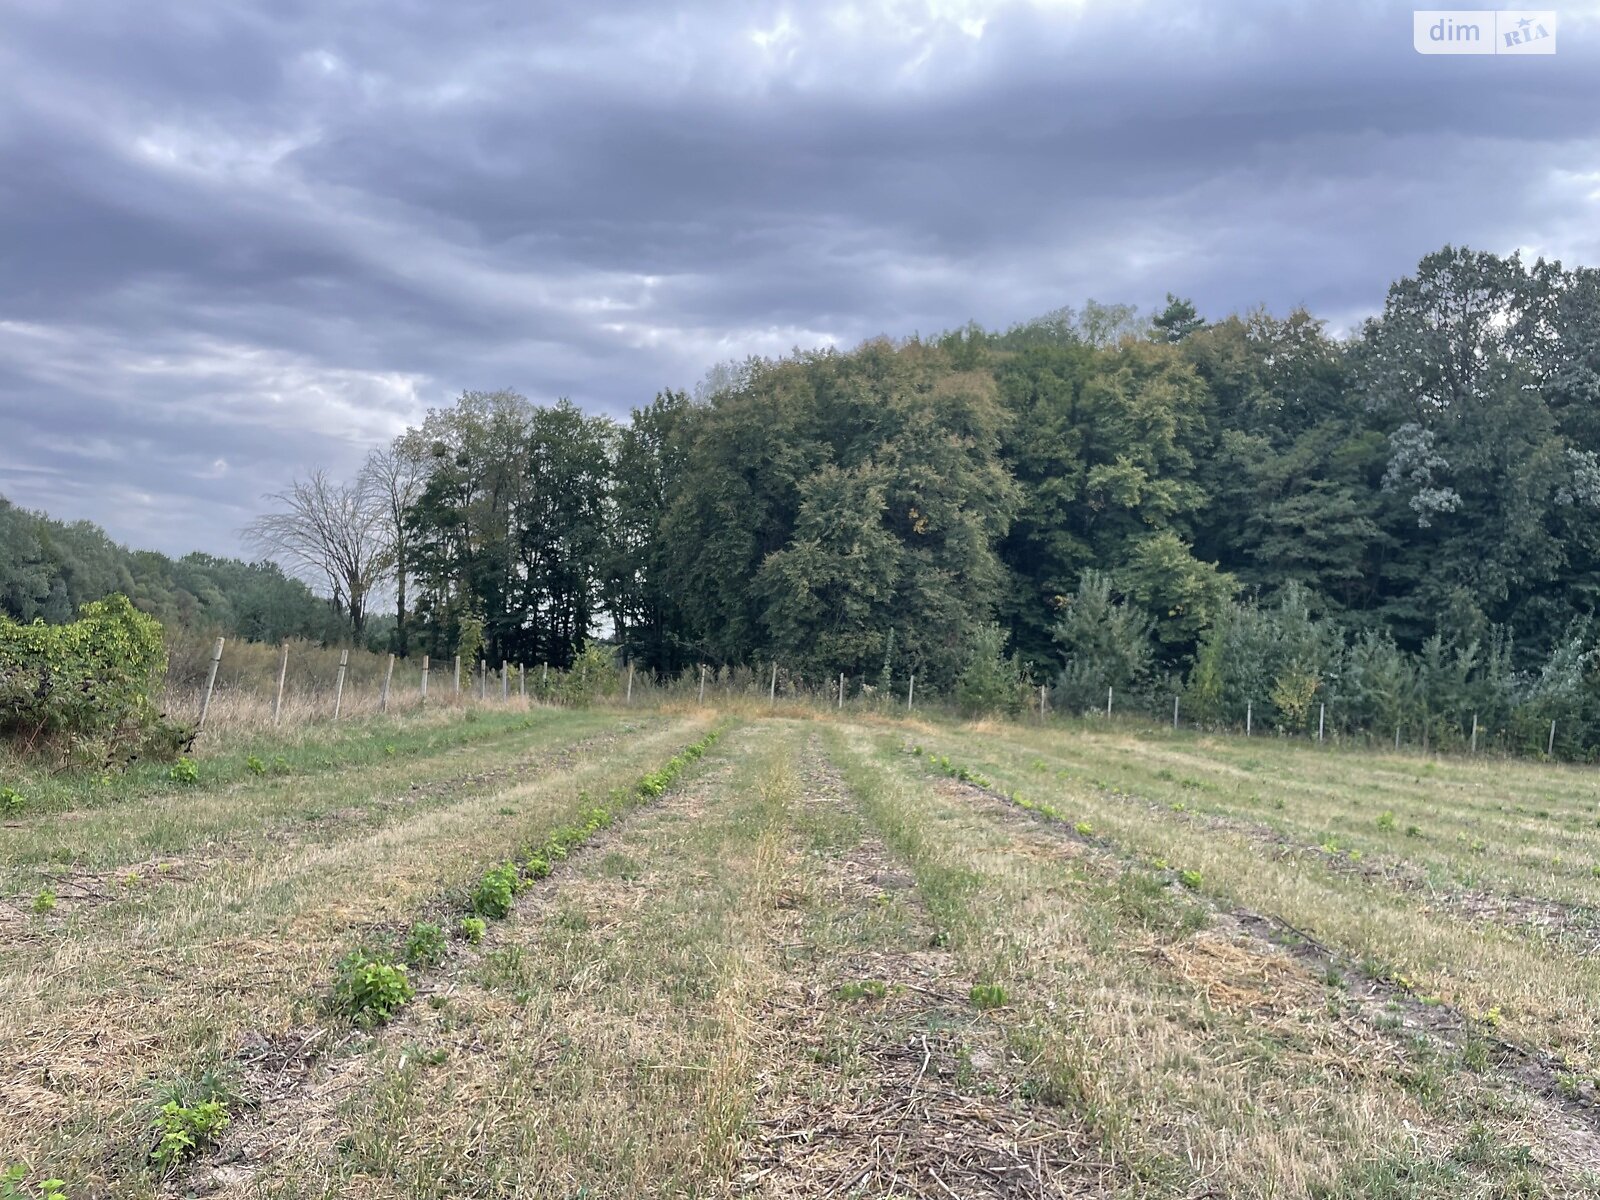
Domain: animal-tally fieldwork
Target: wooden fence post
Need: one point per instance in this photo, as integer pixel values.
(522, 681)
(458, 674)
(1174, 712)
(338, 688)
(1249, 713)
(1108, 703)
(772, 693)
(424, 679)
(1322, 717)
(388, 676)
(630, 683)
(1474, 733)
(1041, 704)
(483, 679)
(1550, 748)
(211, 682)
(702, 683)
(283, 674)
(505, 680)
(911, 689)
(841, 691)
(1397, 739)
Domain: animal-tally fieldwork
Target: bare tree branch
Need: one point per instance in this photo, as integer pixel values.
(328, 532)
(394, 476)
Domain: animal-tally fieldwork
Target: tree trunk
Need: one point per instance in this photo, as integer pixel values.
(400, 604)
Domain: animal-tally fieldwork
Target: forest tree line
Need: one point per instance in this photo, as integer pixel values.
(50, 569)
(1399, 522)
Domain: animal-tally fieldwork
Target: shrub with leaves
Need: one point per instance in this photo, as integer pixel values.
(1105, 642)
(495, 891)
(991, 682)
(369, 988)
(473, 929)
(12, 802)
(44, 900)
(424, 945)
(255, 765)
(182, 1131)
(593, 674)
(90, 681)
(184, 771)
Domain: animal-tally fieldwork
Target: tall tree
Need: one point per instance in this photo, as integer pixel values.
(395, 476)
(648, 473)
(333, 533)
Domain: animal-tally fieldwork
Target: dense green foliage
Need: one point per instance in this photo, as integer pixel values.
(1399, 524)
(90, 682)
(50, 569)
(369, 987)
(1246, 511)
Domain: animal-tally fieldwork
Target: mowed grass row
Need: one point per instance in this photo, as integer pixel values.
(1202, 1060)
(229, 755)
(1500, 825)
(429, 763)
(733, 993)
(92, 1024)
(597, 1043)
(1541, 992)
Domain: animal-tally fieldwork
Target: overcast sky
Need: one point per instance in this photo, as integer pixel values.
(241, 240)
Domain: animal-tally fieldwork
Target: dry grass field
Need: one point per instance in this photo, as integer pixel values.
(815, 957)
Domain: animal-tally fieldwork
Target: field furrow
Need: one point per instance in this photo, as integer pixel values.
(1209, 1055)
(832, 958)
(91, 1026)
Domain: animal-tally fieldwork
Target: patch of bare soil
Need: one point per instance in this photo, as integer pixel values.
(888, 1081)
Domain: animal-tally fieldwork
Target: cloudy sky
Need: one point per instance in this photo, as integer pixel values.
(239, 240)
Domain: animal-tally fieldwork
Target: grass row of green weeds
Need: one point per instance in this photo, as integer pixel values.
(374, 981)
(1515, 828)
(378, 786)
(30, 787)
(1198, 1057)
(601, 1043)
(156, 986)
(1539, 994)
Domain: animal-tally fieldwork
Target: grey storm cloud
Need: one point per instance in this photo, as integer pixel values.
(239, 240)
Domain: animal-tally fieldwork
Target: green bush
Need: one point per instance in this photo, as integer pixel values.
(184, 771)
(183, 1131)
(493, 895)
(424, 945)
(473, 929)
(369, 988)
(593, 674)
(44, 900)
(91, 681)
(990, 682)
(12, 802)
